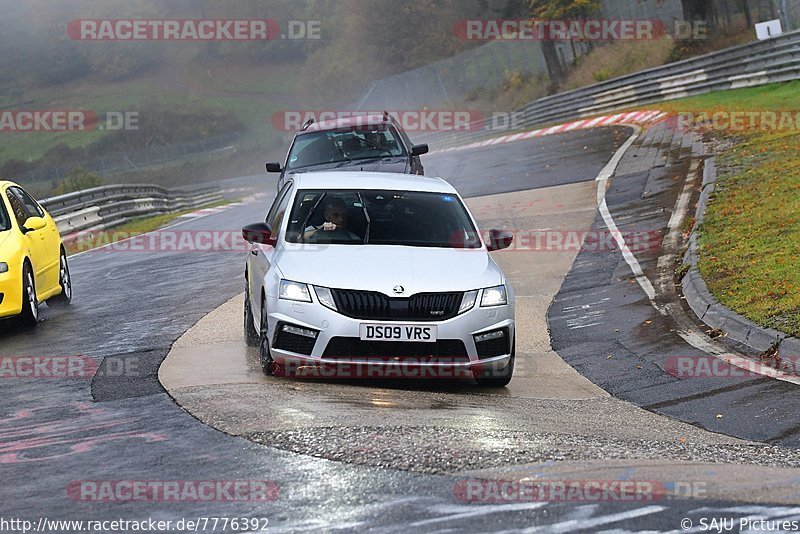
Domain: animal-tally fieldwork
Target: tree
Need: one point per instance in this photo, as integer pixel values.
(560, 10)
(745, 4)
(700, 10)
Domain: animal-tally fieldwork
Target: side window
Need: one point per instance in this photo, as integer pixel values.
(32, 208)
(275, 203)
(17, 208)
(278, 209)
(5, 221)
(406, 140)
(280, 213)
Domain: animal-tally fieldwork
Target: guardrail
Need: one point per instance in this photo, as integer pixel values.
(772, 60)
(108, 206)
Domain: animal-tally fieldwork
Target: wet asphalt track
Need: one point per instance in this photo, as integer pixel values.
(131, 306)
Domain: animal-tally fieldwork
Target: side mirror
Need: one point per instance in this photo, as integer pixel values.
(33, 224)
(499, 239)
(418, 150)
(274, 166)
(258, 233)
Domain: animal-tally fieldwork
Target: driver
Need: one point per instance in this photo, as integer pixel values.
(375, 139)
(335, 225)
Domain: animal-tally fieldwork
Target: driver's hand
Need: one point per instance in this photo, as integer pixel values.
(328, 227)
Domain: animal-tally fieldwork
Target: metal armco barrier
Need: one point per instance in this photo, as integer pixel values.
(104, 207)
(749, 65)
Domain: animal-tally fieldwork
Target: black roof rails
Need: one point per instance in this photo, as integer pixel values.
(306, 124)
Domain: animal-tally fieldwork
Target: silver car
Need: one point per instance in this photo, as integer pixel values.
(377, 274)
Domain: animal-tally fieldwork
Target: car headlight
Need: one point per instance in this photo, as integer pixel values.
(3, 267)
(468, 301)
(325, 297)
(294, 291)
(494, 296)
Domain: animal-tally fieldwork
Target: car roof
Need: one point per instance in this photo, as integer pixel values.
(366, 119)
(370, 180)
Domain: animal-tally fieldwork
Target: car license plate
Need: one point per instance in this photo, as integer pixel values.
(398, 332)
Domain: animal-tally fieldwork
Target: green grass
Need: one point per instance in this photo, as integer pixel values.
(137, 226)
(749, 242)
(252, 93)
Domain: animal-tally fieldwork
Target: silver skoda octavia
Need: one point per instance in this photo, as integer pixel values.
(361, 271)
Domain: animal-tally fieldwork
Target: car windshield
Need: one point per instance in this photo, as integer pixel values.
(335, 146)
(5, 222)
(379, 217)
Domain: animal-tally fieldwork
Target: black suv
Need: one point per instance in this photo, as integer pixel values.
(369, 142)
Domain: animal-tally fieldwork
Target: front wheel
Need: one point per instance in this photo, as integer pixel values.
(251, 337)
(65, 281)
(30, 305)
(496, 379)
(268, 365)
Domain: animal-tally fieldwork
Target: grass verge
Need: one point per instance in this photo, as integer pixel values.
(749, 242)
(134, 227)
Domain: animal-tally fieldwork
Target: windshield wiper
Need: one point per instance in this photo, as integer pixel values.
(366, 215)
(308, 217)
(343, 163)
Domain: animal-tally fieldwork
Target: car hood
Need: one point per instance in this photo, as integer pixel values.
(382, 267)
(398, 164)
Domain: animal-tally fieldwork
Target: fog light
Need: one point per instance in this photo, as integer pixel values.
(491, 335)
(296, 330)
(3, 267)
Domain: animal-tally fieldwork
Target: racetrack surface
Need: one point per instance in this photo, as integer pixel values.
(132, 306)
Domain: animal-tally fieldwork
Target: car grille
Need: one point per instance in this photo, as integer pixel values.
(441, 351)
(377, 306)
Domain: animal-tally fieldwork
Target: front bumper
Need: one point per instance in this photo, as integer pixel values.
(10, 294)
(332, 328)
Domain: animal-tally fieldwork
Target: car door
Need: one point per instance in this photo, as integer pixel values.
(34, 243)
(261, 256)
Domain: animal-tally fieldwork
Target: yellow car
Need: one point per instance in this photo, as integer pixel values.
(33, 263)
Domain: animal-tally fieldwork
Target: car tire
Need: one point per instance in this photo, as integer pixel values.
(65, 281)
(268, 365)
(497, 379)
(29, 317)
(251, 336)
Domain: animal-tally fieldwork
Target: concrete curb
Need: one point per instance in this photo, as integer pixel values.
(708, 308)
